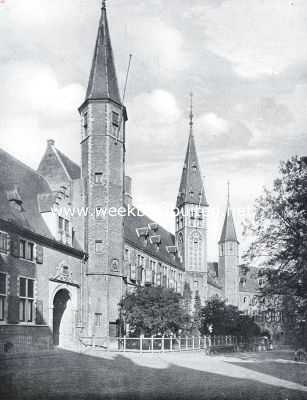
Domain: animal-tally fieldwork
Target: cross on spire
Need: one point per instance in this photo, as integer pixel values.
(103, 4)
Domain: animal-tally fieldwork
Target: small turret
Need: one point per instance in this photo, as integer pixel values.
(229, 257)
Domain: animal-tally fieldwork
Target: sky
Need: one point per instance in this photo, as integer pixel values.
(244, 60)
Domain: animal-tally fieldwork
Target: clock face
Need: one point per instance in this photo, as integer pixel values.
(196, 238)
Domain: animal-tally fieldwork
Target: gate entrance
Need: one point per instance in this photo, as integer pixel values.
(62, 319)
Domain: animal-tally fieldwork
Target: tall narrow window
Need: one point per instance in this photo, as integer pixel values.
(3, 242)
(195, 251)
(26, 300)
(22, 251)
(3, 294)
(66, 227)
(98, 320)
(98, 178)
(30, 251)
(98, 246)
(85, 124)
(115, 119)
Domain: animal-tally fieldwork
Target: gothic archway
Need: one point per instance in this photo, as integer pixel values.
(62, 318)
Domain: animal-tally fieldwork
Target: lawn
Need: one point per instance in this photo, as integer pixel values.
(67, 375)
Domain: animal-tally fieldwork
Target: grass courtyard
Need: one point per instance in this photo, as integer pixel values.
(188, 375)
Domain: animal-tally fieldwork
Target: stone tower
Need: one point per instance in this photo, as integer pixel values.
(229, 258)
(103, 118)
(191, 220)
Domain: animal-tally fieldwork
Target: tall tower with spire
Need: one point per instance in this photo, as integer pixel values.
(229, 257)
(103, 118)
(191, 219)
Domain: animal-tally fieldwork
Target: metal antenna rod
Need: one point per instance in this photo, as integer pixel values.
(124, 93)
(127, 76)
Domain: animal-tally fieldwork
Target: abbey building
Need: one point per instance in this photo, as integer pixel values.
(62, 276)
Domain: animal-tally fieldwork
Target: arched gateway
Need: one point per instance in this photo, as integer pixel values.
(62, 319)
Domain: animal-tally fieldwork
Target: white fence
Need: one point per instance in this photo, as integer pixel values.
(187, 343)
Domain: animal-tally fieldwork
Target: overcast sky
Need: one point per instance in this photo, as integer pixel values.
(244, 60)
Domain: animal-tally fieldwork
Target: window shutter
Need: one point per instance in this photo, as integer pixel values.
(39, 254)
(14, 246)
(139, 273)
(13, 308)
(39, 312)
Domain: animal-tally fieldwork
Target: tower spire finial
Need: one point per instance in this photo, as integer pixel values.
(191, 113)
(103, 4)
(228, 194)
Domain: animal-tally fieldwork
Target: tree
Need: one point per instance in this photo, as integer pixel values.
(153, 311)
(187, 298)
(280, 237)
(226, 320)
(197, 313)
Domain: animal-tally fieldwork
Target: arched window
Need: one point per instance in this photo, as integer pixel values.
(195, 250)
(180, 244)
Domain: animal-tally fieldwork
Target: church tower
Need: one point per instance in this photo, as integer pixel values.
(191, 220)
(103, 118)
(229, 258)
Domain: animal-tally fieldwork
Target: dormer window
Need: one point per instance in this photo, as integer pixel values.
(191, 193)
(261, 282)
(115, 119)
(243, 282)
(194, 167)
(15, 199)
(64, 230)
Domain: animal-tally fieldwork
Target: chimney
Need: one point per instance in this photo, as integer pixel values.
(128, 194)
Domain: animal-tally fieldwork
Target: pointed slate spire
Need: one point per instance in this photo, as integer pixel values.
(228, 231)
(191, 190)
(103, 81)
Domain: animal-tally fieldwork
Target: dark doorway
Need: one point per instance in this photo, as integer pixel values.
(61, 321)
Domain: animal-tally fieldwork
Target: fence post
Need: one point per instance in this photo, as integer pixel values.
(125, 344)
(152, 344)
(171, 343)
(199, 344)
(186, 343)
(163, 343)
(179, 343)
(141, 343)
(193, 343)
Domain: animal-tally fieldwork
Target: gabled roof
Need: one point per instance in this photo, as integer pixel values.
(191, 190)
(73, 169)
(56, 167)
(17, 176)
(167, 239)
(103, 81)
(228, 231)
